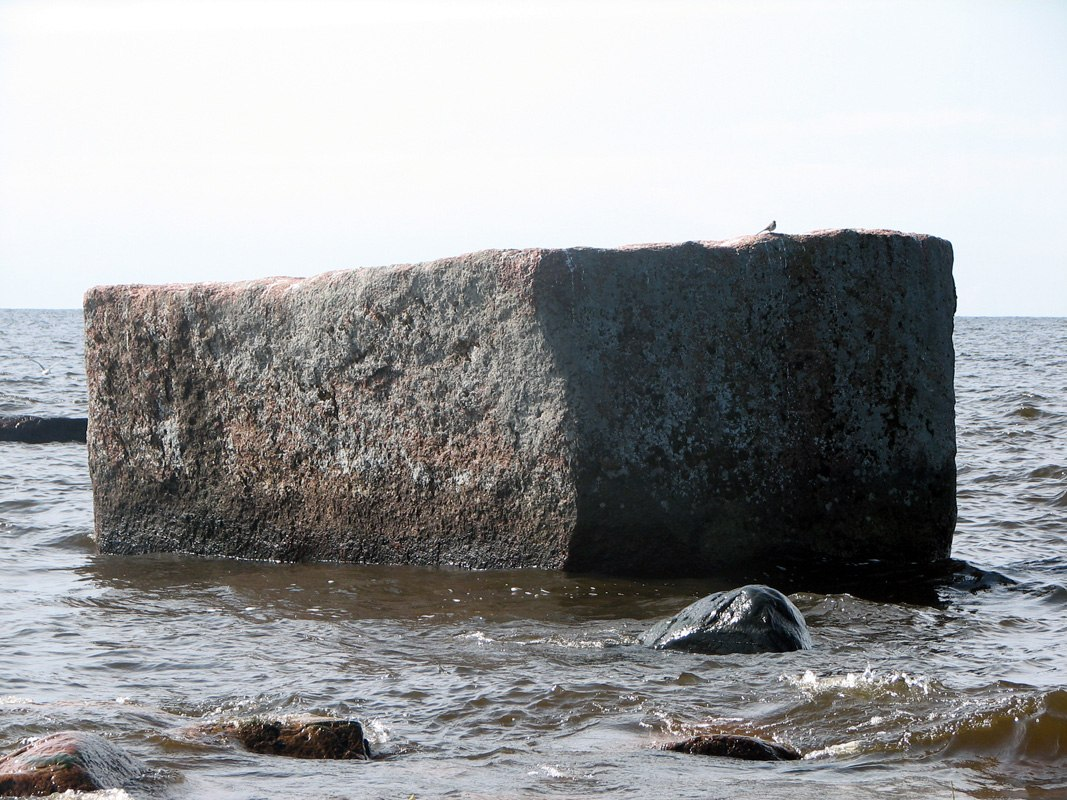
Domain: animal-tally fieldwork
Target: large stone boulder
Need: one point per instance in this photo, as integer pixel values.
(69, 760)
(752, 619)
(668, 409)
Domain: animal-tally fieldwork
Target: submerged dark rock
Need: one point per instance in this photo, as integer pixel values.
(752, 619)
(924, 584)
(734, 746)
(38, 430)
(69, 760)
(299, 737)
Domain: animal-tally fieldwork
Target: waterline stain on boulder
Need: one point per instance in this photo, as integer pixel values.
(670, 409)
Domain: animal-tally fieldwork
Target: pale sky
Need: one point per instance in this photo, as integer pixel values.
(160, 141)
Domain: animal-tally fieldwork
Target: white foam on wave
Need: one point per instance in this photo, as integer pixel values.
(478, 636)
(870, 681)
(560, 772)
(376, 731)
(836, 750)
(15, 700)
(551, 770)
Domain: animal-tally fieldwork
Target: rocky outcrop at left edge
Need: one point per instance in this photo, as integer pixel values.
(41, 430)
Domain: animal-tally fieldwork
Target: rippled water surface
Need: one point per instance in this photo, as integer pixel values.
(528, 684)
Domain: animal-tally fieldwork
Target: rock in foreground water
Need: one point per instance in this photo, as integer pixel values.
(752, 619)
(299, 737)
(669, 409)
(733, 746)
(65, 761)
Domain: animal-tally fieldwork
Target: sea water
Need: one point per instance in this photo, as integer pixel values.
(526, 684)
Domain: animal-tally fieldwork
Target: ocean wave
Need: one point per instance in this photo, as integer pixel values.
(1053, 471)
(1026, 411)
(1025, 728)
(867, 684)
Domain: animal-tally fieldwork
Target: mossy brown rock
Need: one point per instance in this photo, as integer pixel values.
(68, 760)
(299, 737)
(672, 409)
(729, 745)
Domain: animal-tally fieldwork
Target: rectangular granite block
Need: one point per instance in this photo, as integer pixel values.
(673, 409)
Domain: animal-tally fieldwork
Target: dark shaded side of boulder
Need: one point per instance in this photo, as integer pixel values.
(302, 737)
(69, 760)
(733, 746)
(38, 430)
(752, 619)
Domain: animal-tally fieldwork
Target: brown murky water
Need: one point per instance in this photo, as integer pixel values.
(529, 684)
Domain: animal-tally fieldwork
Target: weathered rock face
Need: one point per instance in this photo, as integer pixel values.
(658, 409)
(752, 619)
(69, 760)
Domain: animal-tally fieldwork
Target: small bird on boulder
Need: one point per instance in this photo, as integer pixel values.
(769, 228)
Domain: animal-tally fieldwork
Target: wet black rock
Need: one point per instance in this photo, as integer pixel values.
(299, 737)
(752, 619)
(733, 746)
(69, 760)
(918, 584)
(37, 430)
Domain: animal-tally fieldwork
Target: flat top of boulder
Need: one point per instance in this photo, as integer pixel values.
(281, 283)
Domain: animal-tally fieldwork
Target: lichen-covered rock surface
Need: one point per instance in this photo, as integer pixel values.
(672, 409)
